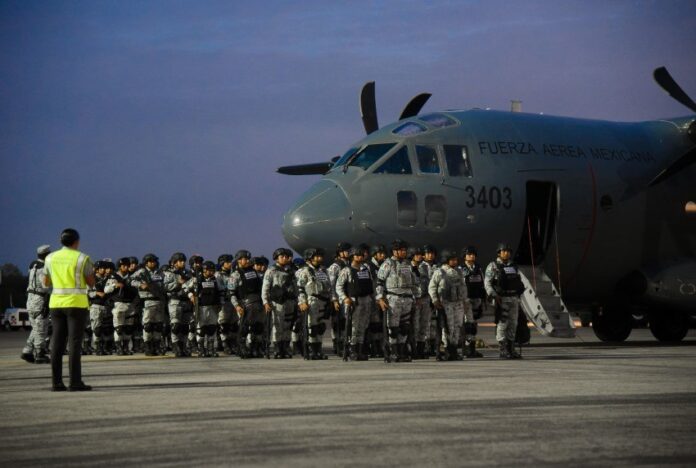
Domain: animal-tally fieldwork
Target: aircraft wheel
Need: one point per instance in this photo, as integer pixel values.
(612, 323)
(668, 325)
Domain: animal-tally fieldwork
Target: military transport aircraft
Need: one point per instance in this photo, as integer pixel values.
(599, 212)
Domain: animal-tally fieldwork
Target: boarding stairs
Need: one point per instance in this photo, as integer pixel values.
(543, 305)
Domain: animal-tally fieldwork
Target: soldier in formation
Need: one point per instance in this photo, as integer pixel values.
(378, 306)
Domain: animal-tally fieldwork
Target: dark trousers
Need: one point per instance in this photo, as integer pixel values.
(68, 323)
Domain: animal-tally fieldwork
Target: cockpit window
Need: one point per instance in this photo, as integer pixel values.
(427, 160)
(458, 163)
(368, 155)
(437, 120)
(409, 128)
(342, 160)
(398, 163)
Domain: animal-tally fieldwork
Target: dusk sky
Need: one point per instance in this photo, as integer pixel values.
(157, 126)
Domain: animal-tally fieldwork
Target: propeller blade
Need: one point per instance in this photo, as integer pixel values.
(414, 106)
(368, 107)
(306, 169)
(666, 82)
(684, 161)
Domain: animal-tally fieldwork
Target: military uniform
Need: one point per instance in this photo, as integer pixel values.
(99, 316)
(152, 297)
(358, 285)
(337, 317)
(35, 349)
(314, 289)
(375, 327)
(245, 292)
(502, 282)
(422, 310)
(476, 294)
(448, 287)
(279, 291)
(123, 311)
(228, 320)
(398, 285)
(210, 298)
(179, 308)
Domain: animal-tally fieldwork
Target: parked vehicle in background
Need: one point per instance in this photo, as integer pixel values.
(15, 318)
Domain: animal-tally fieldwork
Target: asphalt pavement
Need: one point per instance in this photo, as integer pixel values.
(576, 402)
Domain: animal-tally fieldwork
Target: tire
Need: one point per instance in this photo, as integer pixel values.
(668, 325)
(612, 323)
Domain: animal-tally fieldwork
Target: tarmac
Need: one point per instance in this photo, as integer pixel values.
(573, 402)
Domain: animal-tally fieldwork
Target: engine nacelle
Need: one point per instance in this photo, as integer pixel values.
(671, 285)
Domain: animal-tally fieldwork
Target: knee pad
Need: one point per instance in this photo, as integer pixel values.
(404, 328)
(158, 327)
(149, 327)
(375, 327)
(257, 328)
(393, 332)
(176, 328)
(470, 328)
(210, 329)
(320, 327)
(98, 331)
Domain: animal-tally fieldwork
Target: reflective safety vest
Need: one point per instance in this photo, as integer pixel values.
(66, 268)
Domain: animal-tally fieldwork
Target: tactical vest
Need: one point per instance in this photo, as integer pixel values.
(127, 293)
(208, 292)
(320, 286)
(99, 287)
(400, 275)
(179, 293)
(474, 282)
(34, 287)
(156, 281)
(285, 291)
(251, 283)
(454, 290)
(360, 283)
(509, 281)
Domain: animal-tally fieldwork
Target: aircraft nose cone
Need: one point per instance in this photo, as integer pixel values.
(320, 218)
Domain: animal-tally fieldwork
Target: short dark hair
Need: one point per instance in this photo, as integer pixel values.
(69, 236)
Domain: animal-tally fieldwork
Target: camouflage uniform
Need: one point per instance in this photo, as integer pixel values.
(374, 326)
(337, 318)
(476, 302)
(179, 308)
(502, 281)
(153, 298)
(279, 291)
(245, 292)
(210, 298)
(99, 315)
(422, 311)
(314, 289)
(358, 284)
(123, 311)
(448, 287)
(398, 285)
(228, 320)
(35, 349)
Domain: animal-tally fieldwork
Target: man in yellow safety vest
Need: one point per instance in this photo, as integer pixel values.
(70, 272)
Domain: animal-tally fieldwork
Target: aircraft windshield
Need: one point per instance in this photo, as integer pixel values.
(409, 128)
(342, 160)
(368, 155)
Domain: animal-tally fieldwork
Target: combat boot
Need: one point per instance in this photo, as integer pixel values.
(504, 350)
(393, 353)
(119, 349)
(29, 357)
(202, 352)
(137, 345)
(277, 352)
(420, 350)
(149, 348)
(513, 352)
(317, 353)
(40, 357)
(126, 347)
(99, 348)
(286, 350)
(212, 350)
(297, 348)
(362, 354)
(453, 354)
(377, 350)
(405, 353)
(471, 349)
(226, 348)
